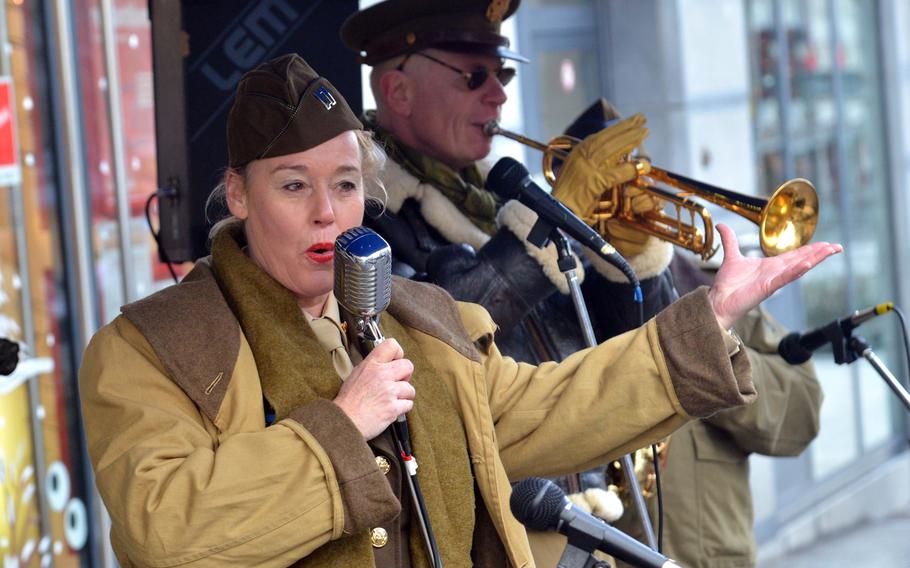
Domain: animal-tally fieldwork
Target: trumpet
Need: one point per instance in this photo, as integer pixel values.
(786, 220)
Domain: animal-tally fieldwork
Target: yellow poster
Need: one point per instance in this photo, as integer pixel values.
(19, 525)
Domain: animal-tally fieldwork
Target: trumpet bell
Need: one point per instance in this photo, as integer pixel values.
(790, 217)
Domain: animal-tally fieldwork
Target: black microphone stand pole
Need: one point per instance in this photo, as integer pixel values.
(859, 346)
(847, 349)
(566, 264)
(370, 336)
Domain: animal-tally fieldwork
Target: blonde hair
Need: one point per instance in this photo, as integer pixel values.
(372, 161)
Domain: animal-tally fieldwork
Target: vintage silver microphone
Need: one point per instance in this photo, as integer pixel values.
(363, 288)
(363, 281)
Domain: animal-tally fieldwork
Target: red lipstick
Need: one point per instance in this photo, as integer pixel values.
(321, 252)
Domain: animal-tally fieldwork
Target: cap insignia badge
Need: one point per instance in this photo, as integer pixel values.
(325, 97)
(496, 10)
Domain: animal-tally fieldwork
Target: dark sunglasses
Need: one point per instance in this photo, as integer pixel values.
(474, 79)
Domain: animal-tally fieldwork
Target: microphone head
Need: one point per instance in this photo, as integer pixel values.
(363, 272)
(537, 503)
(506, 177)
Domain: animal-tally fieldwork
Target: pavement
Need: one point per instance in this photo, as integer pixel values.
(884, 543)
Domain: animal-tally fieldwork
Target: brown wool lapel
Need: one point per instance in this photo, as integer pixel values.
(200, 366)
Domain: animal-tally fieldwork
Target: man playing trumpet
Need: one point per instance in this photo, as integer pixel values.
(438, 76)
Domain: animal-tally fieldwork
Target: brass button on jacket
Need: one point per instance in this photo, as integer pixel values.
(379, 537)
(384, 465)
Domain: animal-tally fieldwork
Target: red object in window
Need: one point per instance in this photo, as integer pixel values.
(8, 154)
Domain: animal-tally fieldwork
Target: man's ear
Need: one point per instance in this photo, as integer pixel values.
(235, 194)
(397, 91)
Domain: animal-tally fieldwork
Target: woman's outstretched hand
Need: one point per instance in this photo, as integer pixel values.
(744, 282)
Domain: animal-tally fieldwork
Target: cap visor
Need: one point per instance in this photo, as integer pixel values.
(481, 48)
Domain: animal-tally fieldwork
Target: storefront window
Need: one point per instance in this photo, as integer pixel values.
(818, 116)
(565, 76)
(45, 519)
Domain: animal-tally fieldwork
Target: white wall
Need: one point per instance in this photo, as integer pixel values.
(688, 72)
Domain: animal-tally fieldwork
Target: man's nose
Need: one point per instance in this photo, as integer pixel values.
(494, 92)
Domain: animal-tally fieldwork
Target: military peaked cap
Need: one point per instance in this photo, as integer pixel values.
(396, 27)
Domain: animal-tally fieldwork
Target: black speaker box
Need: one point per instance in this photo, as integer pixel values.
(201, 48)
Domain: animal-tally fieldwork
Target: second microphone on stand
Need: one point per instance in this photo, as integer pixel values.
(796, 348)
(540, 504)
(511, 180)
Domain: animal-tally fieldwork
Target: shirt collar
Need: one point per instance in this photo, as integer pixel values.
(332, 314)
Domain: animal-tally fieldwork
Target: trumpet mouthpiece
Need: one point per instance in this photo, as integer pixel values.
(491, 128)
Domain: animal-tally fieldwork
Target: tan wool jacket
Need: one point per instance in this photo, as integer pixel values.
(708, 512)
(192, 476)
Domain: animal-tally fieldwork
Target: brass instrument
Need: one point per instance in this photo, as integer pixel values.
(643, 460)
(786, 220)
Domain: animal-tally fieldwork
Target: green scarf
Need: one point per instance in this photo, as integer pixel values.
(463, 188)
(295, 370)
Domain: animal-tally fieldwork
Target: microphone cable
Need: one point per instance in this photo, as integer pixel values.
(658, 489)
(660, 498)
(638, 298)
(900, 315)
(155, 235)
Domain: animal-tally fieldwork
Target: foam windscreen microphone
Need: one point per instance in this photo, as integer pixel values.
(509, 179)
(540, 504)
(796, 348)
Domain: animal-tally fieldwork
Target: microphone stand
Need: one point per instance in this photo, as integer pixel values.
(848, 348)
(575, 557)
(566, 264)
(369, 334)
(859, 346)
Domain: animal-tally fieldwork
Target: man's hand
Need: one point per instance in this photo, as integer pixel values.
(378, 391)
(598, 163)
(742, 283)
(628, 240)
